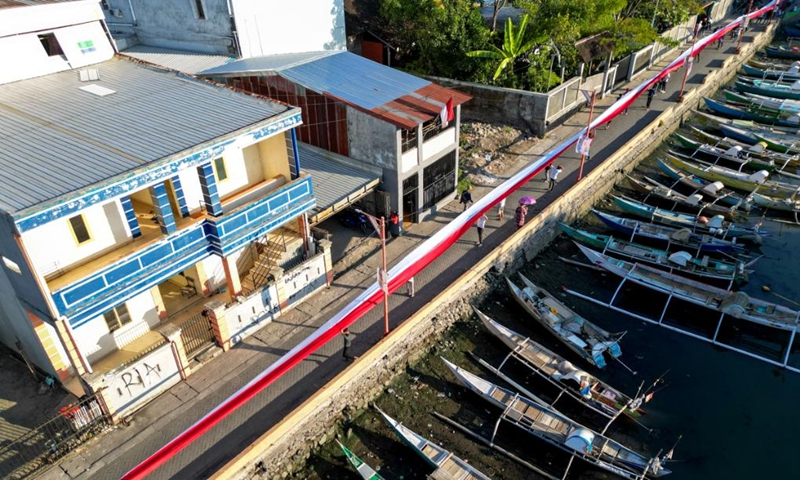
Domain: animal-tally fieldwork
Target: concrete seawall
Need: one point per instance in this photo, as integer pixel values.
(281, 450)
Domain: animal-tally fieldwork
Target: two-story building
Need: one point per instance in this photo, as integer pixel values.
(134, 198)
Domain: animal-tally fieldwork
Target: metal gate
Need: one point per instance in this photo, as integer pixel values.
(196, 333)
(46, 444)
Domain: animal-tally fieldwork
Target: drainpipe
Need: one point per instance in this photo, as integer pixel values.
(234, 33)
(133, 14)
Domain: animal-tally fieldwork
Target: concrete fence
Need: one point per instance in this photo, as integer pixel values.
(287, 445)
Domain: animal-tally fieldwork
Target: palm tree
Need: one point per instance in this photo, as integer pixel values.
(513, 46)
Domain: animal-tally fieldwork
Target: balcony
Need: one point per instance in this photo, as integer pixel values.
(94, 287)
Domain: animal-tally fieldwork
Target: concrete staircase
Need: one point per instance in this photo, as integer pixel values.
(276, 249)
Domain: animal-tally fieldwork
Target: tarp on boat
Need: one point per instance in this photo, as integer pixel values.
(735, 304)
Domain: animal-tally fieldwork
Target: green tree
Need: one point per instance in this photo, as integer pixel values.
(514, 46)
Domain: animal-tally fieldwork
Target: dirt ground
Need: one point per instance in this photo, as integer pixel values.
(489, 150)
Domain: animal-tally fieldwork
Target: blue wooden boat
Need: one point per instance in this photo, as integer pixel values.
(672, 237)
(716, 225)
(792, 31)
(770, 88)
(737, 113)
(740, 134)
(783, 52)
(767, 104)
(771, 73)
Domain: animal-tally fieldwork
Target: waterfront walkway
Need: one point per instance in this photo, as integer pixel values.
(116, 452)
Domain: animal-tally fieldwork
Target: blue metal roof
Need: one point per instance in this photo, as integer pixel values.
(352, 78)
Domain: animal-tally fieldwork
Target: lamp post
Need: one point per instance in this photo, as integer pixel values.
(689, 61)
(379, 224)
(745, 23)
(588, 132)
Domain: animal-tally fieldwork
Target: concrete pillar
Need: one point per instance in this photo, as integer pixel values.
(162, 208)
(232, 278)
(208, 184)
(96, 384)
(283, 297)
(173, 335)
(158, 300)
(219, 324)
(179, 196)
(130, 216)
(325, 247)
(64, 332)
(202, 279)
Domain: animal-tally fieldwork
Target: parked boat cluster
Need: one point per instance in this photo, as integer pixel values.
(687, 226)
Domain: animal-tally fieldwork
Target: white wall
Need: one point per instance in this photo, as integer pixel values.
(52, 246)
(190, 184)
(214, 270)
(95, 341)
(14, 21)
(268, 27)
(444, 141)
(23, 56)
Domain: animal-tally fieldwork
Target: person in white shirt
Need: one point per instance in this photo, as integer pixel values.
(481, 224)
(501, 209)
(553, 175)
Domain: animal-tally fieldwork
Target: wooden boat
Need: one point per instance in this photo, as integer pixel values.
(791, 31)
(733, 112)
(716, 191)
(784, 145)
(734, 154)
(736, 304)
(782, 52)
(562, 432)
(778, 175)
(679, 262)
(586, 339)
(747, 182)
(693, 203)
(365, 471)
(768, 104)
(716, 225)
(434, 455)
(583, 387)
(716, 122)
(770, 88)
(671, 236)
(791, 205)
(792, 73)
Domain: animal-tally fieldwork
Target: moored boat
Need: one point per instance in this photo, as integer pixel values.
(753, 100)
(791, 205)
(732, 153)
(736, 304)
(715, 225)
(717, 122)
(792, 73)
(737, 113)
(747, 182)
(581, 336)
(770, 88)
(562, 432)
(693, 203)
(365, 471)
(782, 51)
(777, 144)
(434, 455)
(673, 237)
(677, 262)
(716, 191)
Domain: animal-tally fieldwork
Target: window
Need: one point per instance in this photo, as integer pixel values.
(439, 180)
(409, 138)
(117, 317)
(50, 44)
(219, 169)
(199, 10)
(79, 229)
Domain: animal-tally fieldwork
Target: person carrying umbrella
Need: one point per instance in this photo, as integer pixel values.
(522, 210)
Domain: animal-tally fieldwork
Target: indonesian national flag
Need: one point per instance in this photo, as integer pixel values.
(447, 114)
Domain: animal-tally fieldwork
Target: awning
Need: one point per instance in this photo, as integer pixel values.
(337, 183)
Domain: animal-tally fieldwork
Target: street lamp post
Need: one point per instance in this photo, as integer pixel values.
(379, 224)
(745, 23)
(689, 61)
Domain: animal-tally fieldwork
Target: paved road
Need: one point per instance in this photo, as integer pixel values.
(123, 448)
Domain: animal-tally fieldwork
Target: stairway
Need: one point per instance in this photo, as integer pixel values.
(275, 249)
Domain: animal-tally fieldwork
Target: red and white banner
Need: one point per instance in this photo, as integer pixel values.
(409, 266)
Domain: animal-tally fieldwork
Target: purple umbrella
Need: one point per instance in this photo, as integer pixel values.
(527, 201)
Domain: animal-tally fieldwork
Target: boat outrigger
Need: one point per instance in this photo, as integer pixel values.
(365, 471)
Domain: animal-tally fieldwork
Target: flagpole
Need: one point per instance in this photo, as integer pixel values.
(688, 63)
(588, 132)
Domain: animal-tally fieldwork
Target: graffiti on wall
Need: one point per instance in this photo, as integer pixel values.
(140, 381)
(304, 280)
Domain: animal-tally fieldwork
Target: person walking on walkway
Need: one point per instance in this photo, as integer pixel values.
(519, 215)
(619, 97)
(501, 209)
(348, 344)
(481, 224)
(466, 199)
(410, 290)
(546, 172)
(650, 94)
(553, 176)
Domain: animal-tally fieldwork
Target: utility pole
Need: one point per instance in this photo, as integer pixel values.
(588, 137)
(688, 63)
(379, 224)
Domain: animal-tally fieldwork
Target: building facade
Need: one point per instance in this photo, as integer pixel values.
(132, 200)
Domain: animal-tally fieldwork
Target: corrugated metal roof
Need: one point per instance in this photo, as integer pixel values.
(395, 96)
(58, 139)
(180, 60)
(27, 3)
(331, 178)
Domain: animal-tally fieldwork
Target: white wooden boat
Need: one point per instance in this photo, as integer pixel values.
(578, 384)
(580, 335)
(562, 432)
(736, 304)
(365, 471)
(781, 204)
(447, 465)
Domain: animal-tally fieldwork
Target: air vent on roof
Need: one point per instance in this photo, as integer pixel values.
(97, 90)
(89, 74)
